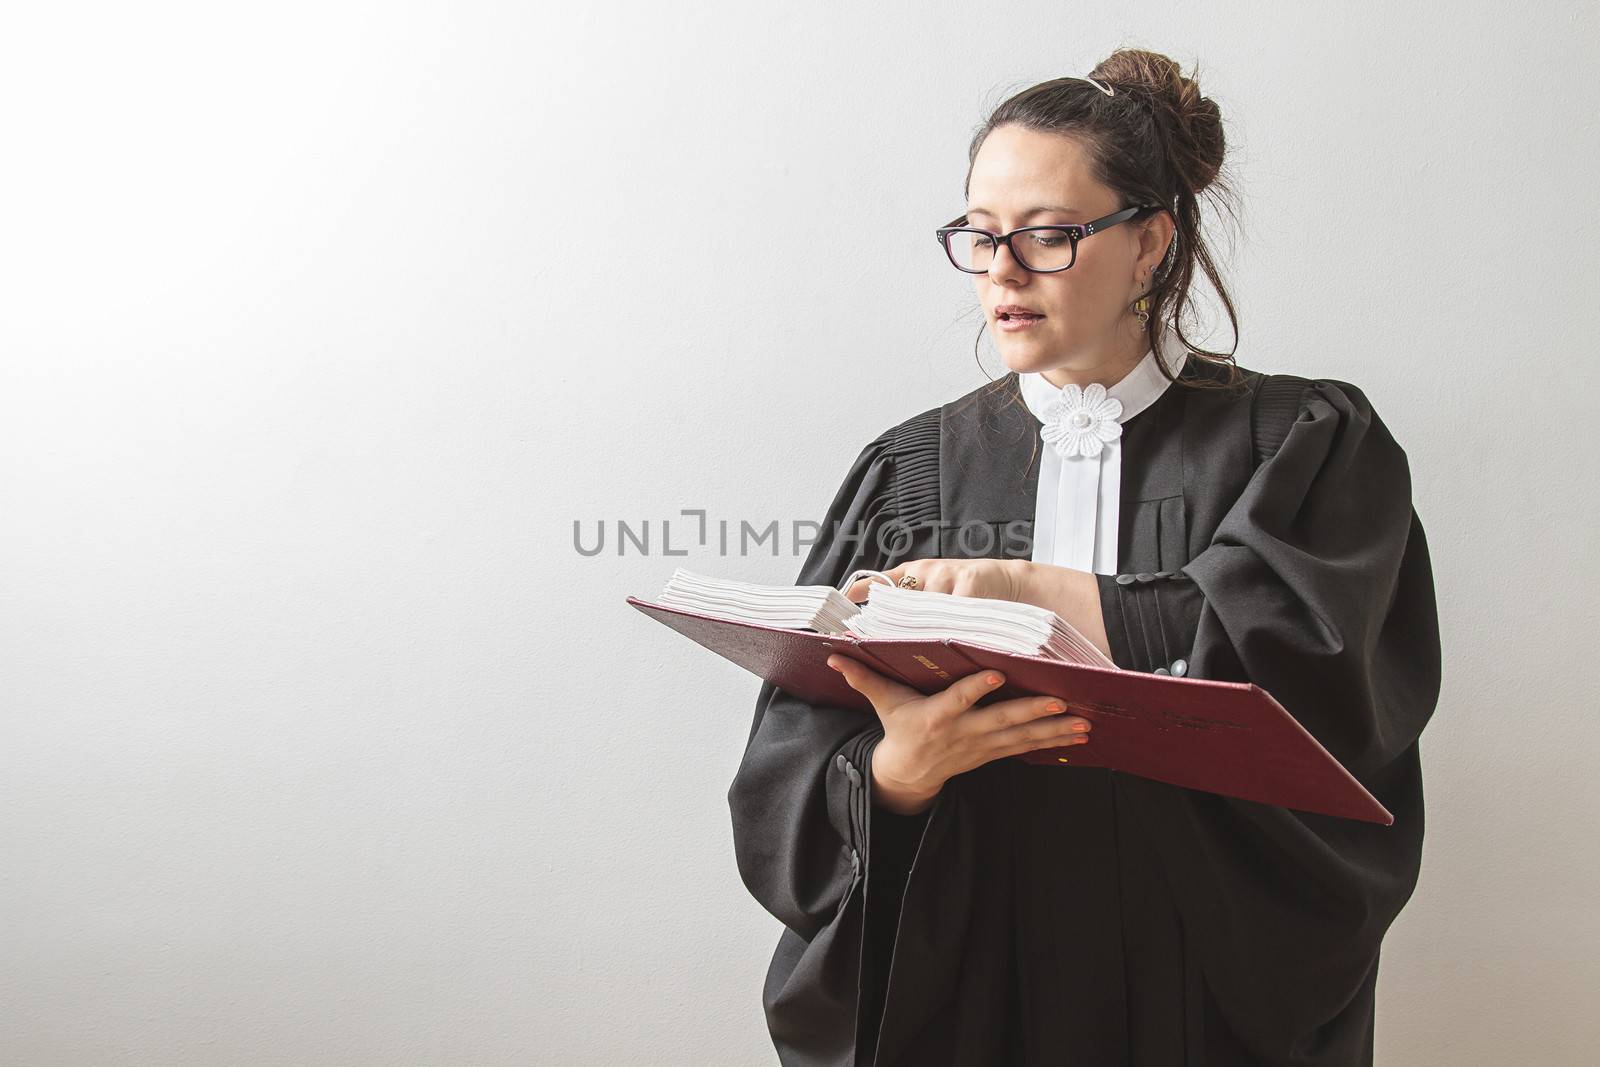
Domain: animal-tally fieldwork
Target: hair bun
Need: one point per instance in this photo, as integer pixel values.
(1191, 123)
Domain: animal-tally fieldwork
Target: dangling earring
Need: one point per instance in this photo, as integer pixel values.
(1141, 309)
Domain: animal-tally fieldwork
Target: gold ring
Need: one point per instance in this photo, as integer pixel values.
(909, 581)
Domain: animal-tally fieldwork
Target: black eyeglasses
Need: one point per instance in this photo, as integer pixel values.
(1045, 250)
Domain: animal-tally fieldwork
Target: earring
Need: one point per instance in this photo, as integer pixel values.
(1141, 309)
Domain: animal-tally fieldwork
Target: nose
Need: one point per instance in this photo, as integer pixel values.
(1004, 268)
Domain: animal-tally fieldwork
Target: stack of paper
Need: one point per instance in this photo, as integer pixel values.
(814, 607)
(1027, 629)
(890, 612)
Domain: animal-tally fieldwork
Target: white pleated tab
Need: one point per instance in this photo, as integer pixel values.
(1077, 510)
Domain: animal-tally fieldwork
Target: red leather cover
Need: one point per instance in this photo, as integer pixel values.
(1229, 738)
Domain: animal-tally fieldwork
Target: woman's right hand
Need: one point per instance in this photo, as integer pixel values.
(927, 740)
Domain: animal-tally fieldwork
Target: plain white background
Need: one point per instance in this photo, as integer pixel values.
(323, 323)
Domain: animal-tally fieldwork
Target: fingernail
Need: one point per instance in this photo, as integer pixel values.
(993, 679)
(1081, 727)
(1054, 707)
(834, 665)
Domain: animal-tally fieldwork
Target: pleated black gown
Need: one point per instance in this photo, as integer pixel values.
(1058, 915)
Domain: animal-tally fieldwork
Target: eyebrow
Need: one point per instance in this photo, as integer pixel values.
(1026, 214)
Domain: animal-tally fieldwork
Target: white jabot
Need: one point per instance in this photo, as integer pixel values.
(1077, 508)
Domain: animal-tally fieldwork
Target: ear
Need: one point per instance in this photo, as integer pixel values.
(1155, 239)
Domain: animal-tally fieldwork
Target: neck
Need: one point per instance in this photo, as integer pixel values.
(1108, 371)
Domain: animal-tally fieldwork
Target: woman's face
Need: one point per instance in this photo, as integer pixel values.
(1088, 332)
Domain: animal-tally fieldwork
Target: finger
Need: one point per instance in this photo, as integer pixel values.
(861, 586)
(930, 574)
(959, 696)
(1042, 733)
(885, 693)
(1002, 714)
(1036, 746)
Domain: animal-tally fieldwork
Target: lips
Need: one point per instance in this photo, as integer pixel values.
(1007, 312)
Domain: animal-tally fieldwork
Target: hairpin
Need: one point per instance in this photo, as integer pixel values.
(1104, 89)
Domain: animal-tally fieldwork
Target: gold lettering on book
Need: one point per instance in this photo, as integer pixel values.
(1198, 722)
(932, 666)
(1101, 707)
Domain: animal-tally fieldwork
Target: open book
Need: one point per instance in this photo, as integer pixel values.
(1229, 738)
(889, 612)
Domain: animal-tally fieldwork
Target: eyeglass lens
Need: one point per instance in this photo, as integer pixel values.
(1037, 249)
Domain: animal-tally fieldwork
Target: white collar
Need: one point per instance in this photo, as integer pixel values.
(1138, 389)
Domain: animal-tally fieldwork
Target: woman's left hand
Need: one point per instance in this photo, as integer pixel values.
(996, 579)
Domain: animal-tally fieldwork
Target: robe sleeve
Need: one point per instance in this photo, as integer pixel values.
(1316, 586)
(803, 814)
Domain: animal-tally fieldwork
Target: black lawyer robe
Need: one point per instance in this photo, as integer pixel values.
(1072, 915)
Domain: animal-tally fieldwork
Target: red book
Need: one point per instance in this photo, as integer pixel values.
(1228, 738)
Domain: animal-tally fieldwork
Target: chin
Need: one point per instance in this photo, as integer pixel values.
(1026, 358)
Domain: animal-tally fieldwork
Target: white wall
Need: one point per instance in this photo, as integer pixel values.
(322, 323)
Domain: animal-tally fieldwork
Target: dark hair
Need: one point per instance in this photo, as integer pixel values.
(1156, 140)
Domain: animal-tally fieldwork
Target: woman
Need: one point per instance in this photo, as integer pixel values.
(944, 904)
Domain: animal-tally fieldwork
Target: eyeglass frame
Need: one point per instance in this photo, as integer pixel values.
(1075, 231)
